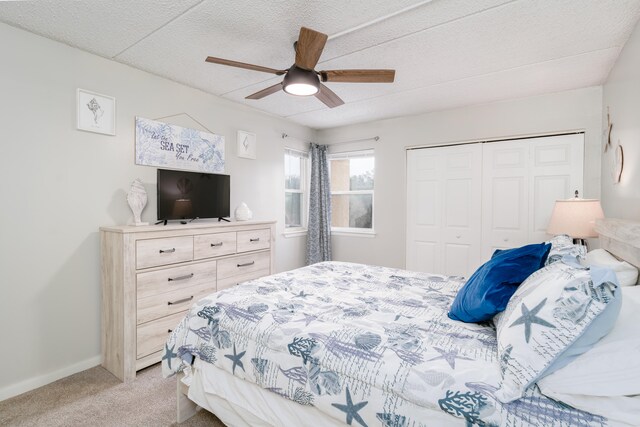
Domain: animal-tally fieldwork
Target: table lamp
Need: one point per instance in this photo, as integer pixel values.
(575, 217)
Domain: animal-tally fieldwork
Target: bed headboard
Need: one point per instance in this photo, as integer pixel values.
(620, 237)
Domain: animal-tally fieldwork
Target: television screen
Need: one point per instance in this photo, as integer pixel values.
(188, 195)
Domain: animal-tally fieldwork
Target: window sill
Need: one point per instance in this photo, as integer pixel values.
(294, 232)
(354, 233)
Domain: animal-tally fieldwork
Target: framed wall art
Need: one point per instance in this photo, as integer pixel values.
(96, 112)
(246, 144)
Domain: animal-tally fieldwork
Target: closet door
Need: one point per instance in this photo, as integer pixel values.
(556, 172)
(443, 209)
(521, 180)
(505, 195)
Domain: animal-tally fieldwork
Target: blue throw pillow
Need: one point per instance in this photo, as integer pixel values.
(489, 289)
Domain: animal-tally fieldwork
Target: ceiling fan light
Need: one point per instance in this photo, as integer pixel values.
(301, 82)
(301, 89)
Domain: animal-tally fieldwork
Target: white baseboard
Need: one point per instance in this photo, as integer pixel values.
(35, 382)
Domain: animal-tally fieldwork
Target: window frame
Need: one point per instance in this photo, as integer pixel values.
(304, 191)
(348, 155)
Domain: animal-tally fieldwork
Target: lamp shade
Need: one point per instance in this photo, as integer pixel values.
(575, 217)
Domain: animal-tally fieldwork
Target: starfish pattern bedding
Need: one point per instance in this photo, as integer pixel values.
(366, 345)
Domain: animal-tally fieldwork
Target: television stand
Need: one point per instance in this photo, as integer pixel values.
(223, 219)
(161, 221)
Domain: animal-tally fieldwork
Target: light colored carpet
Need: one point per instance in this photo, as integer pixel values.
(96, 398)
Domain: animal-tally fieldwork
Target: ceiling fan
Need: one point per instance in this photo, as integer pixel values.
(302, 79)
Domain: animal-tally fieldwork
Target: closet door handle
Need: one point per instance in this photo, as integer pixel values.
(257, 239)
(213, 245)
(169, 331)
(186, 276)
(246, 264)
(167, 251)
(180, 301)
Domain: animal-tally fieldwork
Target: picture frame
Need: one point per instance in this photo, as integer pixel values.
(96, 112)
(246, 142)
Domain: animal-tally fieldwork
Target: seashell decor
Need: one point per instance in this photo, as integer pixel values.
(243, 213)
(137, 199)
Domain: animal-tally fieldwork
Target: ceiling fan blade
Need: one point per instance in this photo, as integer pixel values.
(358, 76)
(244, 65)
(265, 92)
(309, 48)
(329, 98)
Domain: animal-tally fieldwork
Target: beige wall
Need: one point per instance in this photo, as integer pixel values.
(60, 184)
(558, 112)
(621, 94)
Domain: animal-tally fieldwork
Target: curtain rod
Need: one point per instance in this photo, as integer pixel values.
(372, 138)
(286, 135)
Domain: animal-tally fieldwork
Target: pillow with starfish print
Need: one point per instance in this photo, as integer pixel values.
(558, 313)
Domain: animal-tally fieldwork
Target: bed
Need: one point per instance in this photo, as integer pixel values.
(347, 343)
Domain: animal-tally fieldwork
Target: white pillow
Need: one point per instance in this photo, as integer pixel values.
(620, 411)
(627, 274)
(562, 246)
(558, 313)
(604, 379)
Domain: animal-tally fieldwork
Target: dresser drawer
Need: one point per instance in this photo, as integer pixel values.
(243, 264)
(254, 240)
(169, 250)
(169, 279)
(157, 306)
(151, 336)
(236, 280)
(212, 245)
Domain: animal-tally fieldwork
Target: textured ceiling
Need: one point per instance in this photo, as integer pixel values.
(447, 53)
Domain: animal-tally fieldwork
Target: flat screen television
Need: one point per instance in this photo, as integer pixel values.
(189, 195)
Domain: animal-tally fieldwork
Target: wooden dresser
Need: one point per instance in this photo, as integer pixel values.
(151, 275)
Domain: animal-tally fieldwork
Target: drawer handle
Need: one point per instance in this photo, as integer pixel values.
(186, 276)
(167, 251)
(257, 239)
(213, 245)
(246, 264)
(180, 300)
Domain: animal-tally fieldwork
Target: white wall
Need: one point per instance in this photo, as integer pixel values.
(60, 184)
(558, 112)
(621, 93)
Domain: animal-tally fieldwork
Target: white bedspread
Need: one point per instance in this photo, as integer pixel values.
(363, 345)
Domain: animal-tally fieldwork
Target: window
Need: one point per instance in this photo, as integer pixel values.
(295, 177)
(352, 178)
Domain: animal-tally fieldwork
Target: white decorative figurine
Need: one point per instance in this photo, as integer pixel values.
(137, 198)
(243, 213)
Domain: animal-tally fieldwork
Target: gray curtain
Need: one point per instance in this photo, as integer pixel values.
(319, 229)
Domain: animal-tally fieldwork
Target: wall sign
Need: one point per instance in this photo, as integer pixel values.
(164, 145)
